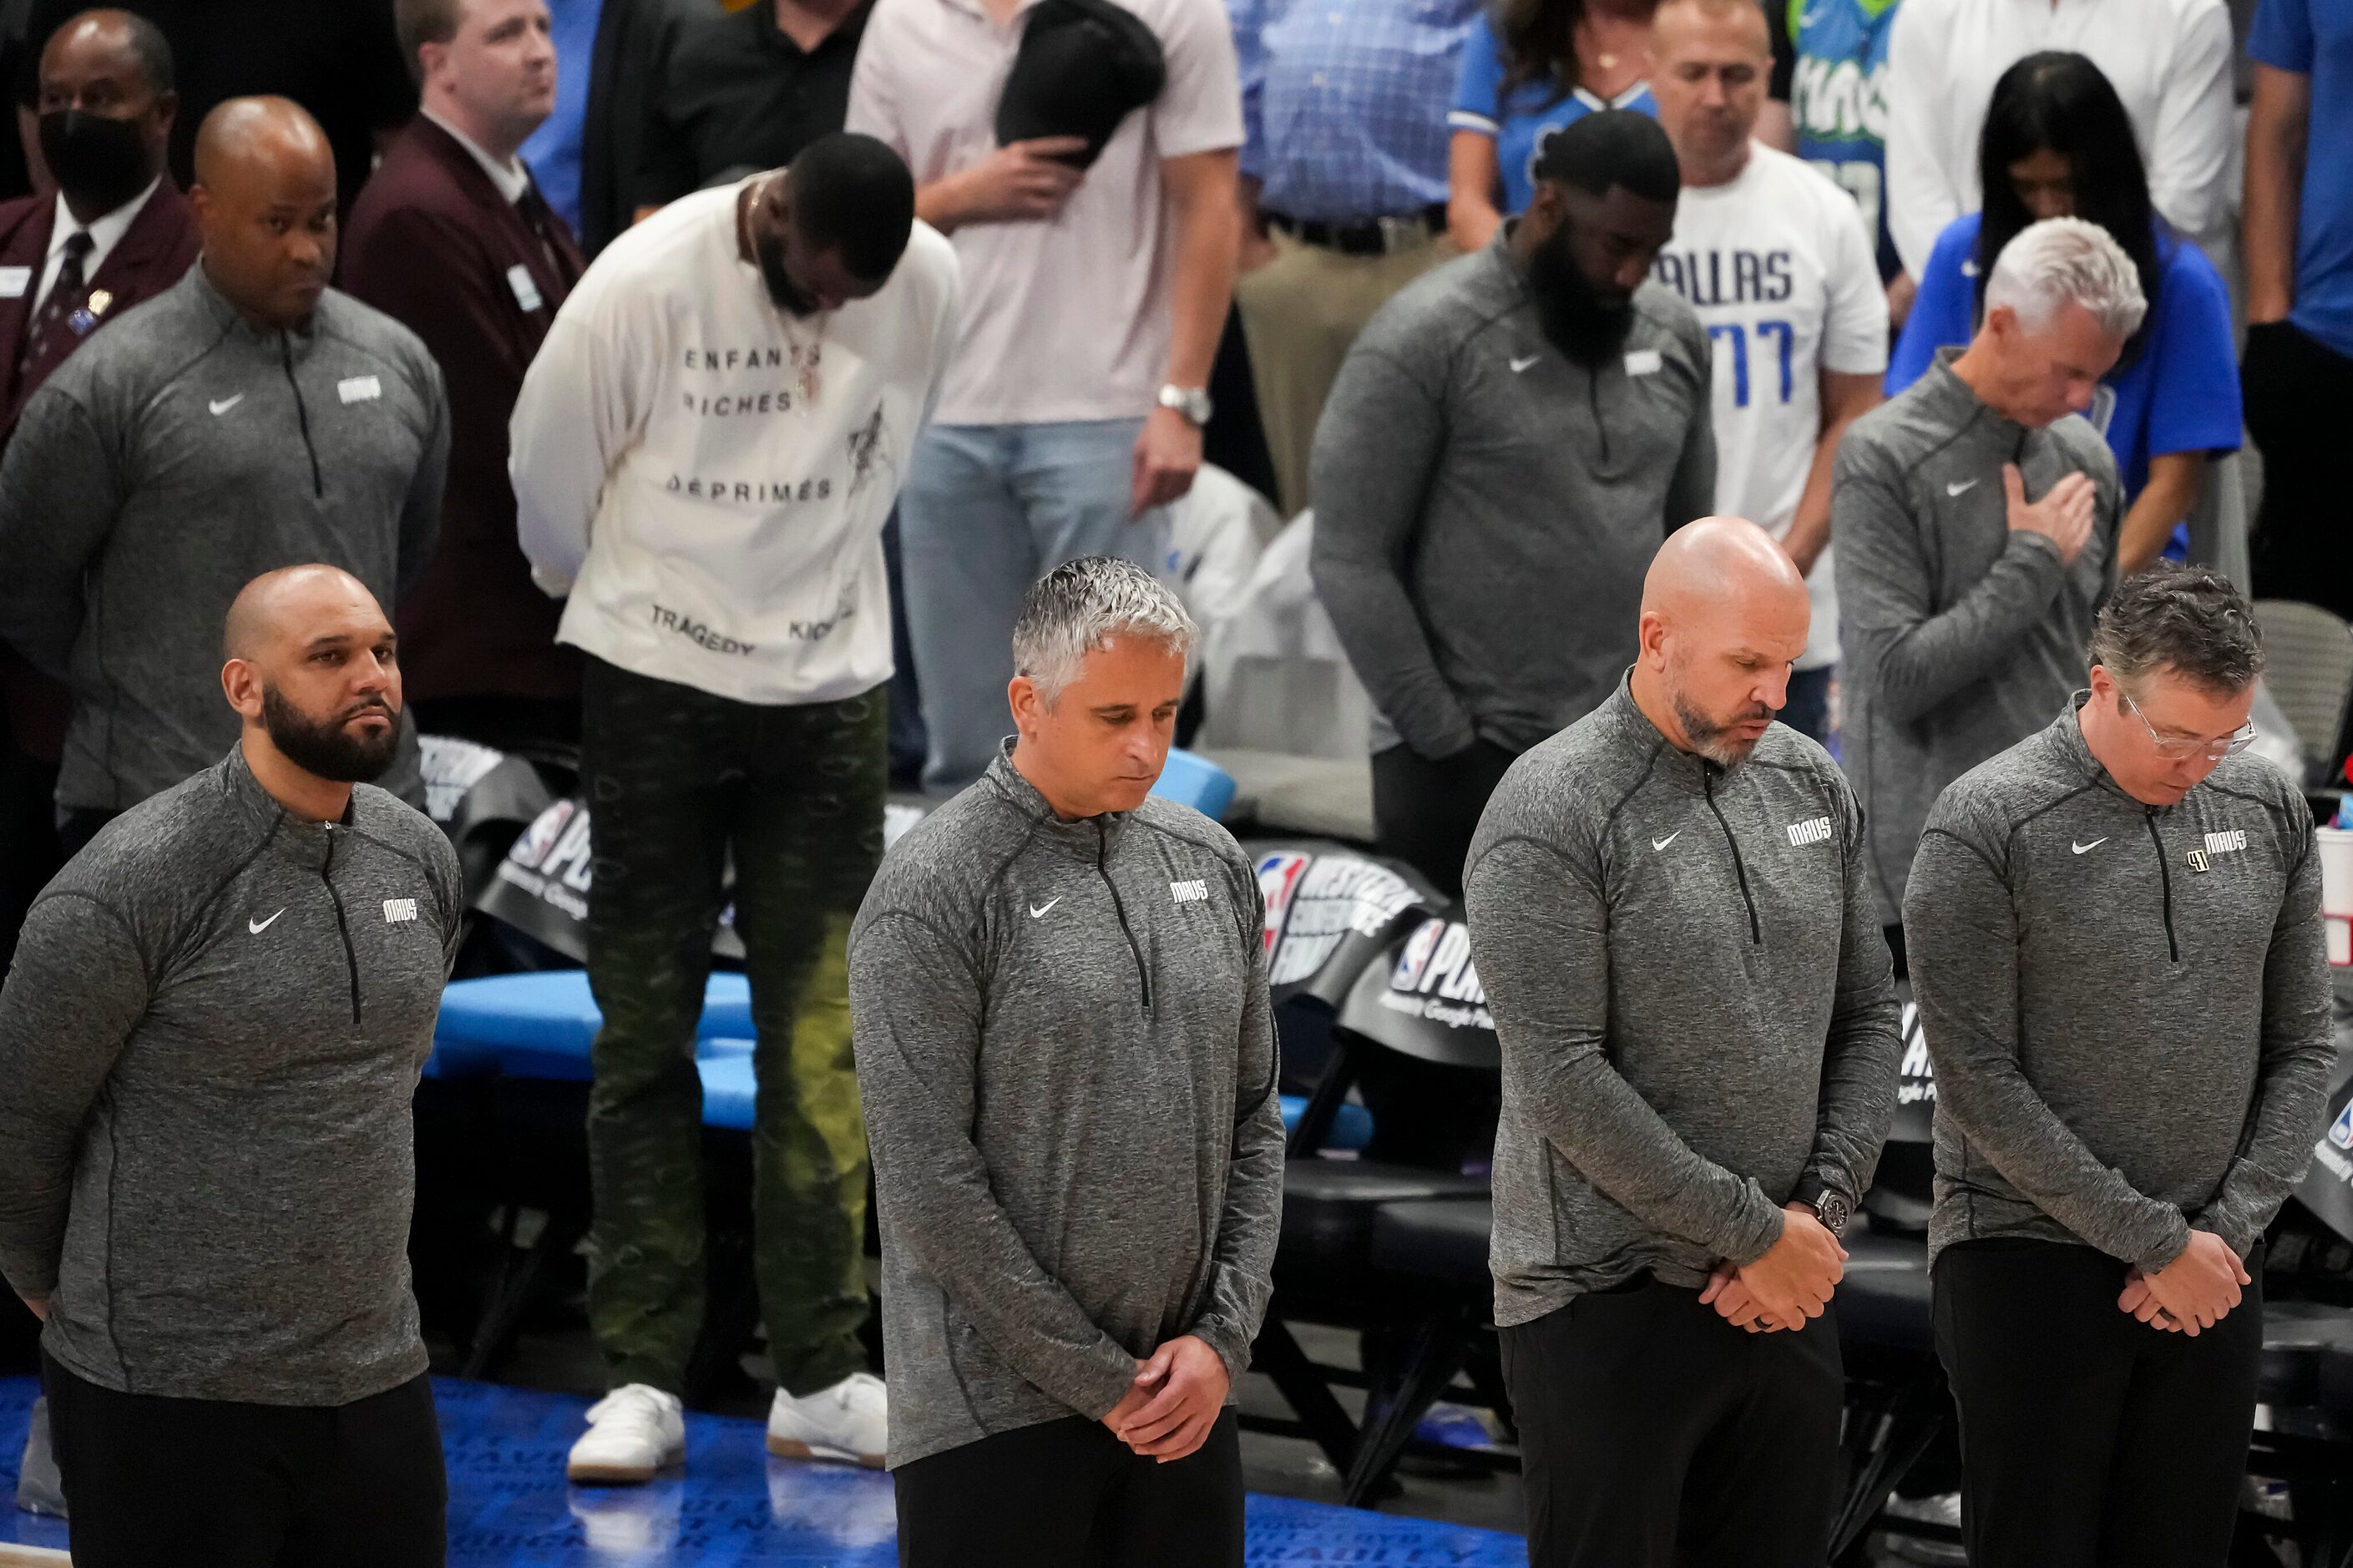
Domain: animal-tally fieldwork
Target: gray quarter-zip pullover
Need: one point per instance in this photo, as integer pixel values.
(1695, 1001)
(1485, 508)
(174, 459)
(1068, 1066)
(209, 1040)
(1961, 637)
(2127, 1006)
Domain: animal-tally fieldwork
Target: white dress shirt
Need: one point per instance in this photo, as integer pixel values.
(104, 236)
(2169, 60)
(512, 178)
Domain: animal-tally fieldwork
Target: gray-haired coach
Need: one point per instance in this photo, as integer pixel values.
(1058, 996)
(2116, 940)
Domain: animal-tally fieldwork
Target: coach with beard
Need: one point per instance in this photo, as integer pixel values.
(1506, 445)
(210, 1036)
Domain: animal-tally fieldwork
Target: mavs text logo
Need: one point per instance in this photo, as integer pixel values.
(1802, 833)
(1189, 892)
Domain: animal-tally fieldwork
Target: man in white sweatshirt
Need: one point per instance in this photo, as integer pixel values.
(703, 454)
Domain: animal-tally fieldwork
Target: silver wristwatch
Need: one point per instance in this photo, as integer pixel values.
(1833, 1211)
(1192, 402)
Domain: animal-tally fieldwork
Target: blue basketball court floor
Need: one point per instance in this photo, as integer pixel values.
(508, 1507)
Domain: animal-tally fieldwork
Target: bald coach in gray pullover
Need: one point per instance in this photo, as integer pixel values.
(248, 418)
(1668, 910)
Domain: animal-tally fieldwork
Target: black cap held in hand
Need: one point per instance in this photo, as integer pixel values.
(1083, 66)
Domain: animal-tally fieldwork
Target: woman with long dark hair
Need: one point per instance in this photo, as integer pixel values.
(2057, 142)
(1529, 67)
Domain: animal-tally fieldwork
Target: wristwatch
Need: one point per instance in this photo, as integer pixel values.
(1833, 1211)
(1829, 1207)
(1192, 402)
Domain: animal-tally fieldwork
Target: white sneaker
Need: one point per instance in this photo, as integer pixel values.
(632, 1432)
(849, 1422)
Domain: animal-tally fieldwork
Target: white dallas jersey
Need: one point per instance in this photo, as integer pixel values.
(1779, 266)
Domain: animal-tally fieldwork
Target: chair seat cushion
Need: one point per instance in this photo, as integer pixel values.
(1883, 1299)
(542, 1024)
(1442, 1238)
(1328, 1205)
(729, 1090)
(2298, 1339)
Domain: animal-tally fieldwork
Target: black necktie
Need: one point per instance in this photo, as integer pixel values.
(65, 297)
(533, 208)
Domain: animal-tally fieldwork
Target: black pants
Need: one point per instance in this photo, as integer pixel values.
(2299, 404)
(2088, 1438)
(200, 1483)
(1068, 1494)
(1424, 813)
(1655, 1435)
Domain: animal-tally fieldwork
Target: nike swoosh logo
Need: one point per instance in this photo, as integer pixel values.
(2086, 848)
(1520, 365)
(257, 927)
(1038, 909)
(1669, 838)
(1964, 485)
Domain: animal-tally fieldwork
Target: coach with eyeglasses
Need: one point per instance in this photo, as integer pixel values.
(2117, 944)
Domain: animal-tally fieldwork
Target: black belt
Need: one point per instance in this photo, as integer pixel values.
(1364, 237)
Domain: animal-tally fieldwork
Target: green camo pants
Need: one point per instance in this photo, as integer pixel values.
(674, 779)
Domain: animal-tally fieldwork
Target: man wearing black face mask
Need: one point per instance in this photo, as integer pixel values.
(1506, 445)
(115, 234)
(703, 454)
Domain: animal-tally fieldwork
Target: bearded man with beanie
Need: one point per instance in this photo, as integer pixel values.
(1511, 436)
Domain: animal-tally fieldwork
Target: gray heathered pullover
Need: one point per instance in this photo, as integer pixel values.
(208, 1042)
(1693, 999)
(175, 458)
(2127, 1006)
(1961, 637)
(1485, 508)
(1068, 1065)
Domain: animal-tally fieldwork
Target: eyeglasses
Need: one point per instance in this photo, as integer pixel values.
(2182, 749)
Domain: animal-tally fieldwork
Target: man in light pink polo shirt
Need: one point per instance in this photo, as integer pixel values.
(1093, 300)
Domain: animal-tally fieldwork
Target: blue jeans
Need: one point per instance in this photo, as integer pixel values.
(986, 510)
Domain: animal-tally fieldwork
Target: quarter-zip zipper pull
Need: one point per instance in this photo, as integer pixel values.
(343, 926)
(301, 414)
(2165, 878)
(1707, 788)
(1142, 974)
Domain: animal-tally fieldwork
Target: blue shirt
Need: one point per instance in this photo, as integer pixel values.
(1344, 102)
(2315, 39)
(1838, 100)
(2180, 395)
(554, 149)
(1535, 110)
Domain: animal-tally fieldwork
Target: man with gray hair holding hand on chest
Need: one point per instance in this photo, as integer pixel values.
(1058, 993)
(1964, 605)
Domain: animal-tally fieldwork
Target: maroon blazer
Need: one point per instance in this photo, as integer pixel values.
(159, 246)
(432, 244)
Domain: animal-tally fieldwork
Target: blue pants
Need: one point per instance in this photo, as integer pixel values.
(986, 510)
